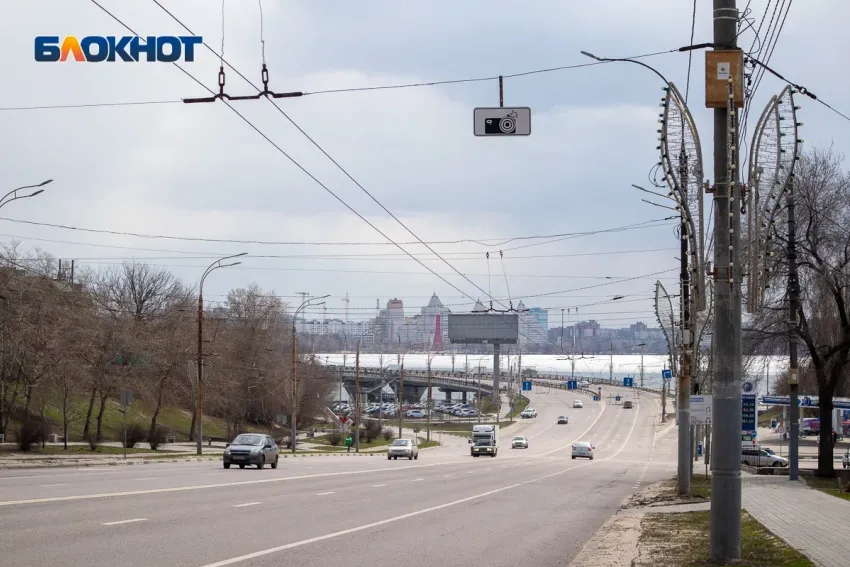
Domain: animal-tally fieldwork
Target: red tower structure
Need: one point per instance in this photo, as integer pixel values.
(438, 333)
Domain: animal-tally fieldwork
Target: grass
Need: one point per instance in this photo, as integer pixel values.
(177, 420)
(827, 486)
(667, 492)
(772, 413)
(520, 403)
(72, 450)
(377, 443)
(326, 446)
(689, 547)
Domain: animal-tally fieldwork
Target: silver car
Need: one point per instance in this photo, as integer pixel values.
(403, 448)
(519, 442)
(251, 449)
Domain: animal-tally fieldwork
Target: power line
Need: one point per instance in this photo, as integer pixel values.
(691, 53)
(481, 242)
(345, 89)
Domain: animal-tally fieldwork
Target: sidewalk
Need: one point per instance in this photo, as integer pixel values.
(814, 523)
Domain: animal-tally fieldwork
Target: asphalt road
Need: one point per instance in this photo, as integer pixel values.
(535, 506)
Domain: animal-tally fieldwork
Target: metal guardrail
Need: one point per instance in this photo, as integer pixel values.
(459, 380)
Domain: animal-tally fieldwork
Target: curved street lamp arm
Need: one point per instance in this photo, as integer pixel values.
(218, 264)
(636, 62)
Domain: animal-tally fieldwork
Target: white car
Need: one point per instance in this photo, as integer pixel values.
(845, 460)
(583, 449)
(528, 413)
(577, 404)
(519, 442)
(416, 414)
(403, 448)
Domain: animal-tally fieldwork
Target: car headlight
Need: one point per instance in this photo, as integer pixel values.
(255, 451)
(227, 451)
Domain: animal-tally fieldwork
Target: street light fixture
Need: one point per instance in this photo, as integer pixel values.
(293, 427)
(200, 399)
(14, 192)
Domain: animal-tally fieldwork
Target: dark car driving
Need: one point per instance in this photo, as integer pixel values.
(251, 449)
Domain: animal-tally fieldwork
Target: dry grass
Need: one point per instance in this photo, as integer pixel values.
(666, 493)
(681, 540)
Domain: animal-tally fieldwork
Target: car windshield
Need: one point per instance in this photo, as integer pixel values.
(401, 442)
(484, 442)
(519, 438)
(248, 440)
(768, 450)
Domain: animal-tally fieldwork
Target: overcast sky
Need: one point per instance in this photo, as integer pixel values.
(199, 171)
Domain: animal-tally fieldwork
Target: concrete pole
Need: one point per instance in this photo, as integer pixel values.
(200, 409)
(725, 532)
(357, 398)
(793, 308)
(496, 374)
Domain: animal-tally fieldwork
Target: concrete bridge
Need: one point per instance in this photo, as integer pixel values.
(415, 382)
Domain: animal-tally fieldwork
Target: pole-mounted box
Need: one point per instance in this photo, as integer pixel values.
(720, 66)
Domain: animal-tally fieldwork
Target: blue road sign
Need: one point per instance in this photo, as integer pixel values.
(667, 374)
(595, 398)
(526, 386)
(617, 398)
(627, 382)
(572, 384)
(748, 412)
(773, 424)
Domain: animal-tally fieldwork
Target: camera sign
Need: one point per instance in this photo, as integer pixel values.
(500, 121)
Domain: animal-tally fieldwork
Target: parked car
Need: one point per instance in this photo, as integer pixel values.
(563, 420)
(583, 449)
(519, 442)
(403, 448)
(762, 457)
(416, 414)
(251, 449)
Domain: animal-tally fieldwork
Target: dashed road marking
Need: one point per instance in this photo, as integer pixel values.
(246, 504)
(53, 485)
(378, 485)
(325, 493)
(134, 520)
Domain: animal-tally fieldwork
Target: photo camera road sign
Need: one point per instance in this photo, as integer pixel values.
(499, 121)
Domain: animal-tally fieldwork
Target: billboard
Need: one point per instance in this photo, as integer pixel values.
(483, 328)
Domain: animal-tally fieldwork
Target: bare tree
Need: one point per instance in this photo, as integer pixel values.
(822, 198)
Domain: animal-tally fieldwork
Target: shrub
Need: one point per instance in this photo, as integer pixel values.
(30, 433)
(334, 439)
(388, 434)
(158, 436)
(135, 435)
(372, 431)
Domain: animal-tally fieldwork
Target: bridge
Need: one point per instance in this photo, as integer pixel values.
(372, 380)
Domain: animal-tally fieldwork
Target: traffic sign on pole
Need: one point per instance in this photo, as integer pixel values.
(526, 386)
(667, 374)
(501, 121)
(701, 410)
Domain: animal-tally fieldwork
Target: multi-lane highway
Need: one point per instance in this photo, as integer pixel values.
(535, 506)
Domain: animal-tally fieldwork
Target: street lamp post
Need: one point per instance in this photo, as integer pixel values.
(430, 399)
(13, 194)
(200, 401)
(293, 427)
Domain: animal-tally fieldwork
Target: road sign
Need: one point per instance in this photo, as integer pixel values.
(616, 398)
(572, 385)
(748, 412)
(125, 397)
(526, 386)
(701, 410)
(343, 419)
(501, 121)
(595, 398)
(773, 424)
(627, 382)
(747, 387)
(667, 374)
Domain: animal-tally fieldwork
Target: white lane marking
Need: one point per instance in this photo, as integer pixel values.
(417, 479)
(147, 478)
(447, 475)
(53, 485)
(364, 527)
(579, 438)
(488, 469)
(325, 493)
(470, 472)
(378, 485)
(217, 485)
(246, 504)
(134, 520)
(91, 472)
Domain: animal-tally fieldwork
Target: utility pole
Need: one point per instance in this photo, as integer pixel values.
(725, 532)
(200, 409)
(683, 402)
(293, 427)
(562, 330)
(611, 364)
(793, 308)
(641, 345)
(400, 396)
(428, 415)
(357, 399)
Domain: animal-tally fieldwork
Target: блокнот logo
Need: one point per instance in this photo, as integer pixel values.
(96, 48)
